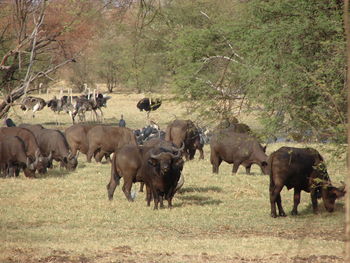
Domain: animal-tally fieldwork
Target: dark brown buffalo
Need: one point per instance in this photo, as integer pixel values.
(184, 131)
(238, 149)
(157, 167)
(157, 142)
(104, 140)
(13, 155)
(301, 169)
(31, 146)
(53, 143)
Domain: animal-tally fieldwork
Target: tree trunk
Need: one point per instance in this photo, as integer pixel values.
(347, 196)
(5, 105)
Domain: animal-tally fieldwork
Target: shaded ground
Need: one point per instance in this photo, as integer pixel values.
(128, 255)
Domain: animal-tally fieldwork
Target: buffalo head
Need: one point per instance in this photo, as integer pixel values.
(330, 194)
(41, 163)
(70, 162)
(166, 159)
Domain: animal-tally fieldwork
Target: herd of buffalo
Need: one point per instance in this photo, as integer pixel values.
(158, 161)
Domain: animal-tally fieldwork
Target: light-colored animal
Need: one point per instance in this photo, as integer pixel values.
(32, 103)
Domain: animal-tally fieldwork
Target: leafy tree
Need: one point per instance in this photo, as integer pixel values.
(296, 49)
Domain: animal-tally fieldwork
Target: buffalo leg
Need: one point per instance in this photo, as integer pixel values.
(170, 196)
(276, 197)
(17, 170)
(279, 205)
(296, 201)
(155, 199)
(191, 153)
(92, 150)
(98, 156)
(141, 186)
(235, 167)
(148, 195)
(108, 157)
(314, 201)
(161, 201)
(247, 169)
(11, 171)
(215, 161)
(127, 189)
(113, 183)
(201, 154)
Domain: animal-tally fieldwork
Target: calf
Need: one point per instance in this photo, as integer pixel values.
(301, 169)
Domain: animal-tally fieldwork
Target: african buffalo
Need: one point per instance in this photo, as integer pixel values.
(13, 156)
(53, 143)
(301, 169)
(31, 146)
(32, 127)
(184, 131)
(104, 140)
(76, 136)
(158, 142)
(238, 149)
(159, 168)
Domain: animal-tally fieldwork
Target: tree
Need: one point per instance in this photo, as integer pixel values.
(347, 197)
(25, 39)
(282, 59)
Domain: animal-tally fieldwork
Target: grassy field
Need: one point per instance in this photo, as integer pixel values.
(66, 217)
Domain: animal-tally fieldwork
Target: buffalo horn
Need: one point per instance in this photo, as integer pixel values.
(30, 165)
(157, 156)
(175, 149)
(50, 156)
(37, 154)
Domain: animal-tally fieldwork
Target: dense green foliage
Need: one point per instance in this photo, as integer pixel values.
(282, 59)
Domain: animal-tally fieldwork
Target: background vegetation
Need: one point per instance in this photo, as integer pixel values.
(284, 60)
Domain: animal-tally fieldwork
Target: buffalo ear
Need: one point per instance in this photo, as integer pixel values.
(153, 161)
(339, 193)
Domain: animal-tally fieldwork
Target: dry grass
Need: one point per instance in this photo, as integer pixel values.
(66, 217)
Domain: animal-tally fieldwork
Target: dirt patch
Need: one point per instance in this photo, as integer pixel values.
(125, 254)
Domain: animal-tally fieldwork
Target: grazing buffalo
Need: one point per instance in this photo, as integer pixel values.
(76, 136)
(53, 143)
(159, 168)
(13, 156)
(301, 169)
(184, 131)
(32, 127)
(31, 146)
(104, 140)
(238, 149)
(149, 105)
